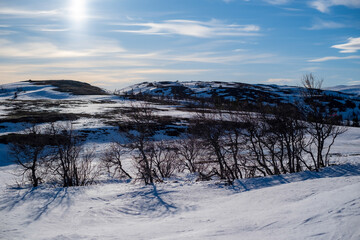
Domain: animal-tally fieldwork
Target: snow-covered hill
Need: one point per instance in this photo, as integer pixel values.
(248, 96)
(230, 91)
(50, 89)
(349, 89)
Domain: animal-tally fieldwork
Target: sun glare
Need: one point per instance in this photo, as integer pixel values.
(78, 10)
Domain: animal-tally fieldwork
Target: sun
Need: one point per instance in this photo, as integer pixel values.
(77, 10)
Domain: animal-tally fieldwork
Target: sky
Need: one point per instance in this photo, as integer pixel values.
(116, 43)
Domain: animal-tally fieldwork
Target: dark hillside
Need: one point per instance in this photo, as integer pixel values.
(71, 86)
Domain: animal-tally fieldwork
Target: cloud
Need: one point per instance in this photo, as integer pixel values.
(208, 57)
(165, 71)
(28, 13)
(324, 5)
(321, 24)
(293, 9)
(324, 59)
(75, 14)
(277, 2)
(198, 29)
(279, 80)
(354, 82)
(352, 46)
(45, 29)
(48, 50)
(7, 32)
(310, 69)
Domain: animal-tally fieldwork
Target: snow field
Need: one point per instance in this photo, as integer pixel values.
(307, 205)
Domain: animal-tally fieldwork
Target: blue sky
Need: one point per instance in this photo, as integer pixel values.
(115, 43)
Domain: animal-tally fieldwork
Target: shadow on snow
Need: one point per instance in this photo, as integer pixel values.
(270, 181)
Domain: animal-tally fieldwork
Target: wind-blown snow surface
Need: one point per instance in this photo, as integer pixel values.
(307, 205)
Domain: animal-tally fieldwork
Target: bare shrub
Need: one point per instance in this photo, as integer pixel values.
(112, 161)
(139, 130)
(322, 123)
(164, 158)
(71, 164)
(29, 153)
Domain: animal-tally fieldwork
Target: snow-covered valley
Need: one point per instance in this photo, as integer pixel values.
(304, 205)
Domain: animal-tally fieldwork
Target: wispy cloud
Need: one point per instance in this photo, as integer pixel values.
(352, 82)
(191, 28)
(279, 80)
(293, 9)
(324, 59)
(166, 71)
(325, 5)
(352, 46)
(46, 29)
(277, 2)
(321, 24)
(6, 32)
(310, 69)
(24, 13)
(44, 50)
(223, 58)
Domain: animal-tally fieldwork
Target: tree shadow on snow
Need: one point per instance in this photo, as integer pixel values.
(270, 181)
(147, 200)
(42, 200)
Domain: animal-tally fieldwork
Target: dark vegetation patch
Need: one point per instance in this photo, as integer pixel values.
(170, 126)
(71, 86)
(40, 117)
(85, 133)
(35, 105)
(30, 139)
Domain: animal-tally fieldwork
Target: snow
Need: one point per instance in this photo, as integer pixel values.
(31, 91)
(306, 205)
(27, 90)
(349, 89)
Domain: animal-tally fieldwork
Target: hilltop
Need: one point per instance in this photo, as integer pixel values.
(48, 89)
(249, 97)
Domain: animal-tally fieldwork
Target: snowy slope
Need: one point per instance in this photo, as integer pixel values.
(31, 91)
(27, 90)
(229, 90)
(344, 103)
(349, 89)
(307, 205)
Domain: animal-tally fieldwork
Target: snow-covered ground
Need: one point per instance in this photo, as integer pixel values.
(307, 205)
